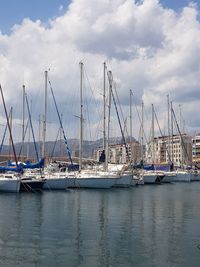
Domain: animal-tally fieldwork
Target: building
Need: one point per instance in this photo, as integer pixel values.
(117, 153)
(176, 149)
(196, 149)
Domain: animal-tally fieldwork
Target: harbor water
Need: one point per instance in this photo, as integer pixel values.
(144, 226)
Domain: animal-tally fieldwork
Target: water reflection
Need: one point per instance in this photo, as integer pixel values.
(145, 226)
(20, 223)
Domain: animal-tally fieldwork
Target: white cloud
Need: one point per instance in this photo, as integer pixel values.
(150, 49)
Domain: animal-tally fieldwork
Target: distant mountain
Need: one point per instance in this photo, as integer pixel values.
(58, 149)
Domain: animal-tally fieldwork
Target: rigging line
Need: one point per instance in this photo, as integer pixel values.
(87, 103)
(117, 96)
(54, 146)
(161, 134)
(20, 151)
(110, 78)
(30, 120)
(146, 117)
(89, 123)
(93, 93)
(10, 131)
(182, 142)
(122, 115)
(61, 125)
(4, 135)
(99, 126)
(5, 131)
(142, 128)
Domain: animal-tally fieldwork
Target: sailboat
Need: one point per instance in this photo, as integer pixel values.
(29, 181)
(124, 171)
(89, 178)
(149, 176)
(9, 182)
(181, 175)
(54, 180)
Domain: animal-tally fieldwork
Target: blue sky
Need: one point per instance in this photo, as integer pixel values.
(13, 12)
(149, 49)
(177, 4)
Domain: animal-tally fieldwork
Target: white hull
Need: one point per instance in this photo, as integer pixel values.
(182, 177)
(91, 182)
(125, 180)
(89, 179)
(169, 178)
(140, 181)
(56, 183)
(152, 178)
(195, 177)
(137, 180)
(9, 184)
(149, 179)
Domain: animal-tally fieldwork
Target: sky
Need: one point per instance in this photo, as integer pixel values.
(151, 46)
(44, 10)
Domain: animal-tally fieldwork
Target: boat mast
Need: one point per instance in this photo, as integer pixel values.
(23, 118)
(39, 133)
(180, 126)
(180, 119)
(81, 117)
(31, 125)
(29, 134)
(153, 151)
(10, 141)
(9, 127)
(142, 133)
(172, 150)
(104, 112)
(168, 126)
(45, 114)
(109, 109)
(131, 133)
(61, 154)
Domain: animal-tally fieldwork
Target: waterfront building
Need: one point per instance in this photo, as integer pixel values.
(176, 149)
(196, 149)
(118, 154)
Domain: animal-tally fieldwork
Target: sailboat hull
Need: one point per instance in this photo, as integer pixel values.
(183, 177)
(56, 183)
(169, 178)
(124, 181)
(152, 178)
(91, 180)
(195, 177)
(9, 185)
(91, 183)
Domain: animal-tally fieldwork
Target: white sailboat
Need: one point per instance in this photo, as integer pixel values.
(92, 179)
(152, 177)
(195, 176)
(89, 178)
(54, 180)
(182, 176)
(125, 174)
(9, 183)
(169, 177)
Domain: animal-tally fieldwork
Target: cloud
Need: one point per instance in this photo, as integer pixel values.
(151, 49)
(61, 7)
